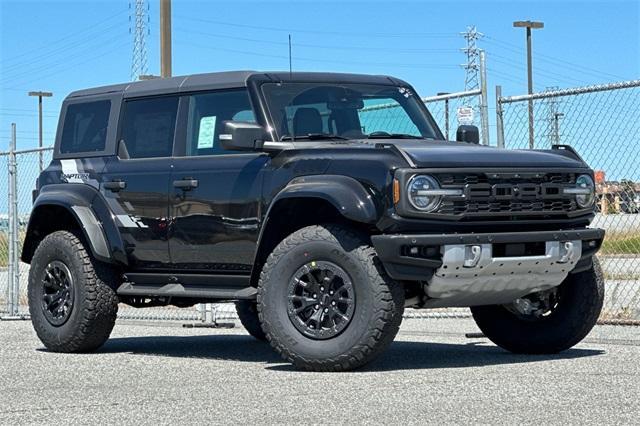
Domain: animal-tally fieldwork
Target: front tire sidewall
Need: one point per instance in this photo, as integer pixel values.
(579, 309)
(274, 301)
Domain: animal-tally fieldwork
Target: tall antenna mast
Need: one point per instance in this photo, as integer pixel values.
(290, 66)
(472, 67)
(139, 28)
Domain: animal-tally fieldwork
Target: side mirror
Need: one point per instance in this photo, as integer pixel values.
(467, 133)
(242, 136)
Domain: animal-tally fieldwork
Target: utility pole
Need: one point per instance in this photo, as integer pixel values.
(484, 100)
(529, 25)
(40, 95)
(165, 38)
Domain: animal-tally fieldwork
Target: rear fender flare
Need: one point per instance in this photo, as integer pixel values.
(90, 210)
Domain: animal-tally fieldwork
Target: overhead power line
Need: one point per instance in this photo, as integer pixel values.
(316, 60)
(45, 67)
(318, 46)
(68, 65)
(552, 60)
(363, 34)
(48, 46)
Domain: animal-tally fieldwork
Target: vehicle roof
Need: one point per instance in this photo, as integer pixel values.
(225, 80)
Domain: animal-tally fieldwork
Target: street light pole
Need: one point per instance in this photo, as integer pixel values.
(40, 95)
(529, 25)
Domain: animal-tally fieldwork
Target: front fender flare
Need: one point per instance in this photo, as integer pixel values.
(345, 193)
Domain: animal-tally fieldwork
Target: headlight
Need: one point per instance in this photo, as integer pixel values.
(585, 191)
(424, 193)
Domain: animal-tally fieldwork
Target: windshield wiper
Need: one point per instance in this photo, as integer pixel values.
(385, 135)
(314, 137)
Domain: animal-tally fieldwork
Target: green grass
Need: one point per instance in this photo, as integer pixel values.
(621, 244)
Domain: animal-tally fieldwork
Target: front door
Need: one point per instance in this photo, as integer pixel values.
(136, 186)
(215, 194)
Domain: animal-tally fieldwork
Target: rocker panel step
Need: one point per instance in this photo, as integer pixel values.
(228, 287)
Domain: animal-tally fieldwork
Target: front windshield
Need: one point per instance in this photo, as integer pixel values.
(346, 111)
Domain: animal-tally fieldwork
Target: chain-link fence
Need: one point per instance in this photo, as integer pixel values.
(449, 110)
(599, 123)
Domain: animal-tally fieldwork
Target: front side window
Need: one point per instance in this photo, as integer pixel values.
(148, 127)
(350, 111)
(85, 127)
(207, 114)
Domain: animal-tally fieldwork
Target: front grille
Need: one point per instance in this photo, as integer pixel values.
(508, 194)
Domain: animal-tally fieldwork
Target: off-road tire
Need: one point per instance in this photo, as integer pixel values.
(248, 313)
(576, 314)
(95, 305)
(378, 308)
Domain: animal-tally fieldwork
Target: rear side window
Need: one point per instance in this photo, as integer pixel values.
(148, 126)
(85, 127)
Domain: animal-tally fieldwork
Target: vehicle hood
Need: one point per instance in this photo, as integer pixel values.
(438, 154)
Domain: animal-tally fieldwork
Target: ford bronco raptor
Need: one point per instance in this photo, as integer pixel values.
(321, 204)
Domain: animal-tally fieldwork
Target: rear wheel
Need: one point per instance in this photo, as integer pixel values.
(546, 322)
(72, 305)
(325, 302)
(248, 313)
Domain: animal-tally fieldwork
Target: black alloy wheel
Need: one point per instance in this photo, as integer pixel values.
(321, 299)
(57, 293)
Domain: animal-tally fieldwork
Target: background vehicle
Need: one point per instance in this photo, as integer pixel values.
(321, 214)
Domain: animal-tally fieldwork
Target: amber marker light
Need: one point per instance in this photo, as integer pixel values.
(396, 191)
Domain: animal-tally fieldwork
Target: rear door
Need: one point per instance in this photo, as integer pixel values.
(136, 183)
(215, 193)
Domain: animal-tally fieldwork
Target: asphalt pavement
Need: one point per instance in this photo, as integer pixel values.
(161, 373)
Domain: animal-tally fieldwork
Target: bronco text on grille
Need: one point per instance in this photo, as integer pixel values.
(509, 194)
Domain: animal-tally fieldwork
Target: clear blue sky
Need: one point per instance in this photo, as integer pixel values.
(61, 46)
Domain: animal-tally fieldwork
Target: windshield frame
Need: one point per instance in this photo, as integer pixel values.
(276, 132)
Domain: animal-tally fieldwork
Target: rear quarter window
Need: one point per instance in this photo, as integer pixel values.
(85, 127)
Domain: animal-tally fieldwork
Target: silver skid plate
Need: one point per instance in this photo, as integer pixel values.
(471, 276)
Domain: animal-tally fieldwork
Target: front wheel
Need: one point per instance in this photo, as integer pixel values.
(324, 301)
(547, 322)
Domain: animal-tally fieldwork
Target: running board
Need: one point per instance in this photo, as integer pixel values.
(219, 287)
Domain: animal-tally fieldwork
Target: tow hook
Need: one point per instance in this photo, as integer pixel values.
(472, 255)
(566, 248)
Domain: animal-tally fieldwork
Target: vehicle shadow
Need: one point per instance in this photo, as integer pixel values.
(401, 355)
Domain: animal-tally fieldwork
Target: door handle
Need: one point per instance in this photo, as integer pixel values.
(115, 185)
(185, 184)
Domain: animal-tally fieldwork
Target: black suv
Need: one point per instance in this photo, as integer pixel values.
(321, 204)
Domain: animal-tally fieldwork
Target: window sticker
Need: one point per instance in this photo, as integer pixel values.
(206, 133)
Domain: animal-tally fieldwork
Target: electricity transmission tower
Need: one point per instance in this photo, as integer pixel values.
(472, 67)
(553, 117)
(139, 28)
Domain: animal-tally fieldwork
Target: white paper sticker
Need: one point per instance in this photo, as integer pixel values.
(206, 133)
(465, 115)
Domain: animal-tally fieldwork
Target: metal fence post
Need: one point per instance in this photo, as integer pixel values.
(12, 282)
(446, 119)
(499, 118)
(484, 103)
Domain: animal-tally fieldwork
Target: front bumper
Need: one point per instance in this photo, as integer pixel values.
(393, 249)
